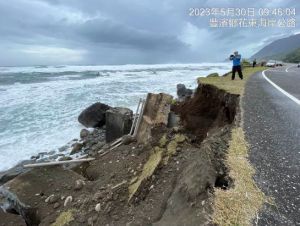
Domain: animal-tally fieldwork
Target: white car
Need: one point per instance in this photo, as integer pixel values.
(271, 63)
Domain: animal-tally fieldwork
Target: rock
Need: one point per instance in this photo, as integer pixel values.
(51, 152)
(76, 148)
(94, 115)
(48, 198)
(56, 205)
(178, 149)
(34, 157)
(213, 75)
(118, 123)
(97, 146)
(98, 207)
(63, 148)
(81, 218)
(181, 89)
(91, 220)
(183, 92)
(97, 196)
(116, 217)
(42, 154)
(175, 129)
(53, 157)
(52, 199)
(84, 133)
(65, 158)
(79, 184)
(68, 200)
(127, 139)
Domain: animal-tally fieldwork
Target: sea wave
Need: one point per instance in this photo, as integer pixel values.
(109, 68)
(42, 116)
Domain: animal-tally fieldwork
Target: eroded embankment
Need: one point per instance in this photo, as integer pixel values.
(167, 180)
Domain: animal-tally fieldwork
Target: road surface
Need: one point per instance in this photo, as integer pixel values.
(272, 125)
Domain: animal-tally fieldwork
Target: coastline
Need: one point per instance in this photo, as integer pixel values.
(45, 118)
(153, 168)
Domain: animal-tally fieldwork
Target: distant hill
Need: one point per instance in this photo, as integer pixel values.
(293, 57)
(278, 49)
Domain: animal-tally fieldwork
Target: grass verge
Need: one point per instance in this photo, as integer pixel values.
(240, 204)
(236, 86)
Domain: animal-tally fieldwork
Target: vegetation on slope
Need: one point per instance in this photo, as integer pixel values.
(293, 57)
(279, 47)
(225, 82)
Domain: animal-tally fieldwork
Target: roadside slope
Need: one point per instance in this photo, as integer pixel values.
(241, 203)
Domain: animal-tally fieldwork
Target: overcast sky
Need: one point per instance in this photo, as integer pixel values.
(58, 32)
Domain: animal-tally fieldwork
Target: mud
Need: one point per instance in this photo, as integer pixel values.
(176, 188)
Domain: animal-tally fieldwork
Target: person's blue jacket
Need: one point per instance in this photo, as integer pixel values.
(236, 60)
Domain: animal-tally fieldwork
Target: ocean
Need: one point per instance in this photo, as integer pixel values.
(39, 105)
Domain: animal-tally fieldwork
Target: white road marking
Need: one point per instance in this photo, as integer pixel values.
(297, 101)
(286, 70)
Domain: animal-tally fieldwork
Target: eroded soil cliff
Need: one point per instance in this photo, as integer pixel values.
(167, 180)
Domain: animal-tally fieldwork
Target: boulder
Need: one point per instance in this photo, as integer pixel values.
(94, 115)
(183, 92)
(181, 89)
(84, 133)
(65, 158)
(118, 123)
(76, 148)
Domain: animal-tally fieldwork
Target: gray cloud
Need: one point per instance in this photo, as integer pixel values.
(118, 32)
(119, 35)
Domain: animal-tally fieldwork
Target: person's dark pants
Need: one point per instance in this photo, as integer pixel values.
(237, 69)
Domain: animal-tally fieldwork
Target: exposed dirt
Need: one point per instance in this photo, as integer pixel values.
(179, 190)
(209, 109)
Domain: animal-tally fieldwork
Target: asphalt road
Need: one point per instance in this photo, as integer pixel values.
(272, 127)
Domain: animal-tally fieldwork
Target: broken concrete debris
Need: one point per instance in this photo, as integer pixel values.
(165, 176)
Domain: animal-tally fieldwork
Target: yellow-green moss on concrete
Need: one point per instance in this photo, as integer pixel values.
(149, 168)
(64, 218)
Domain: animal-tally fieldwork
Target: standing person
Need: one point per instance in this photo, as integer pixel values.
(254, 63)
(236, 65)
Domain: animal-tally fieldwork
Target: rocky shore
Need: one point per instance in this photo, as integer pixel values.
(166, 175)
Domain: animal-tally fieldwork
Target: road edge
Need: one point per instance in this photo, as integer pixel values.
(241, 204)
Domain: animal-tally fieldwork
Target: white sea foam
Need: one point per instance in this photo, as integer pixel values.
(37, 117)
(127, 67)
